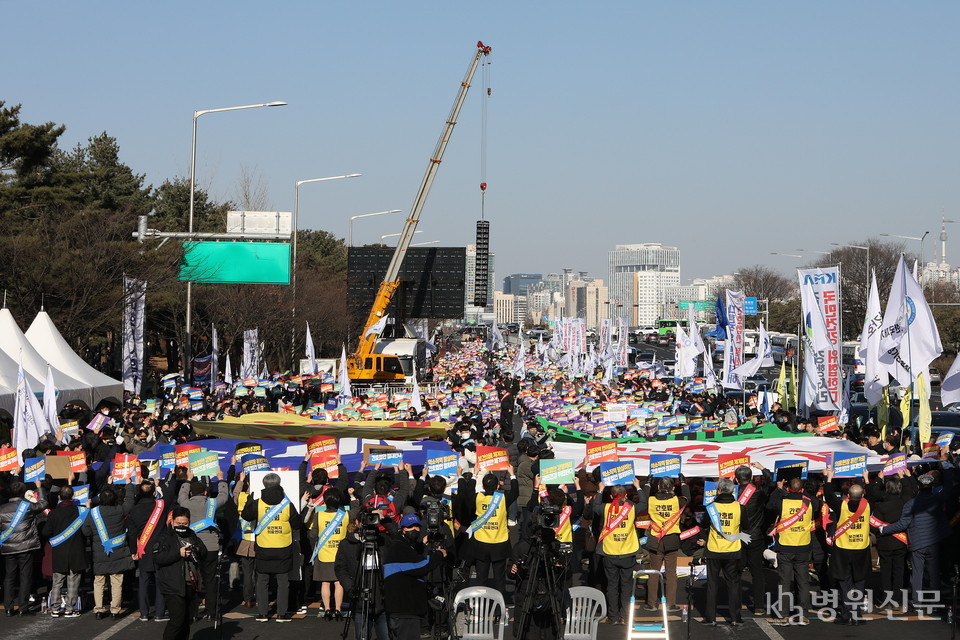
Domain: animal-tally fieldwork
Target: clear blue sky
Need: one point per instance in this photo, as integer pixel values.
(729, 129)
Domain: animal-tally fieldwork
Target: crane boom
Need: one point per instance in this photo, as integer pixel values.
(360, 366)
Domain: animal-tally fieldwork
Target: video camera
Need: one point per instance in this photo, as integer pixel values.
(369, 523)
(548, 516)
(436, 512)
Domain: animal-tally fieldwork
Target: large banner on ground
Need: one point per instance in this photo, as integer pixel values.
(282, 426)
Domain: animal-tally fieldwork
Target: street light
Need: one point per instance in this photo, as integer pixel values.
(420, 244)
(366, 215)
(393, 235)
(857, 246)
(826, 253)
(188, 347)
(789, 255)
(293, 267)
(925, 233)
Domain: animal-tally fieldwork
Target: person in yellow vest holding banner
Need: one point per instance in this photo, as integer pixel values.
(275, 519)
(617, 545)
(850, 560)
(724, 540)
(489, 544)
(662, 541)
(327, 528)
(792, 533)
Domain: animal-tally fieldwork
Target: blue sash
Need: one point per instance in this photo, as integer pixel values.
(487, 514)
(208, 518)
(270, 515)
(18, 517)
(715, 518)
(109, 544)
(71, 529)
(328, 531)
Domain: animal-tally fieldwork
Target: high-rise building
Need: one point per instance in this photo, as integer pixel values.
(637, 275)
(517, 283)
(469, 285)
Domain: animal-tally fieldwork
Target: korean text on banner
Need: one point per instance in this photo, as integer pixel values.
(895, 463)
(556, 471)
(34, 469)
(827, 424)
(664, 465)
(384, 456)
(327, 460)
(848, 465)
(204, 463)
(820, 302)
(183, 453)
(254, 462)
(728, 463)
(492, 459)
(8, 459)
(78, 460)
(243, 448)
(600, 451)
(125, 467)
(441, 463)
(621, 472)
(786, 469)
(319, 444)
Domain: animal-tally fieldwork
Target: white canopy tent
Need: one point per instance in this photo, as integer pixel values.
(15, 344)
(8, 382)
(50, 344)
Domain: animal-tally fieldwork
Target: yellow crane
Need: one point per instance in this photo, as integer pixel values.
(363, 365)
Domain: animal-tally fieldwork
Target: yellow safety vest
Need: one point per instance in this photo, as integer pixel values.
(799, 534)
(564, 533)
(730, 521)
(857, 536)
(622, 540)
(660, 511)
(278, 533)
(494, 530)
(328, 553)
(246, 528)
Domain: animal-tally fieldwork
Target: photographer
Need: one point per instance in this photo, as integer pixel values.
(177, 555)
(347, 570)
(559, 511)
(406, 561)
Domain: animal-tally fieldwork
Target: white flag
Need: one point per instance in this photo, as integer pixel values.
(520, 364)
(415, 401)
(311, 356)
(495, 341)
(345, 393)
(215, 360)
(950, 387)
(710, 378)
(377, 327)
(686, 355)
(876, 376)
(228, 372)
(621, 359)
(134, 301)
(909, 339)
(29, 423)
(764, 356)
(50, 401)
(248, 365)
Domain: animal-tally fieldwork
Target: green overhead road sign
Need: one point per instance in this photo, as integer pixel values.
(236, 262)
(700, 305)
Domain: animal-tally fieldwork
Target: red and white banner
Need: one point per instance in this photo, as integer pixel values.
(820, 302)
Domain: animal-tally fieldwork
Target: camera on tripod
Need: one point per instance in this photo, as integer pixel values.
(548, 516)
(369, 523)
(435, 514)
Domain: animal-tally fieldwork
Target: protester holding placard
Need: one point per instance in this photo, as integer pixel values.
(617, 545)
(850, 559)
(724, 539)
(659, 498)
(753, 500)
(795, 513)
(107, 529)
(204, 512)
(326, 524)
(19, 543)
(147, 519)
(246, 550)
(488, 547)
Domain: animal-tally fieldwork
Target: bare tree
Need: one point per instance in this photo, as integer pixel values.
(764, 283)
(252, 192)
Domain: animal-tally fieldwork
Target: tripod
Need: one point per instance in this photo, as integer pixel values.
(369, 581)
(543, 565)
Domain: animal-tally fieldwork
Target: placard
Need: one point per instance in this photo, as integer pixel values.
(896, 462)
(8, 459)
(600, 451)
(168, 455)
(243, 448)
(384, 456)
(77, 461)
(620, 472)
(326, 460)
(125, 468)
(81, 493)
(728, 463)
(34, 469)
(848, 465)
(442, 463)
(492, 459)
(289, 480)
(250, 462)
(319, 444)
(204, 463)
(556, 471)
(98, 421)
(184, 451)
(788, 469)
(58, 466)
(827, 424)
(664, 465)
(931, 451)
(945, 439)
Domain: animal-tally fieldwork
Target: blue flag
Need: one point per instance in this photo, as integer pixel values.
(720, 312)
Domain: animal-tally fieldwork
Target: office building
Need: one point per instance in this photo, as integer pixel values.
(637, 277)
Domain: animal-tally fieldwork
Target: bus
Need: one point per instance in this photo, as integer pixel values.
(850, 358)
(784, 346)
(667, 326)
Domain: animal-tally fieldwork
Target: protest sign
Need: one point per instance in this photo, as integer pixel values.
(664, 465)
(34, 469)
(58, 466)
(848, 465)
(125, 468)
(98, 421)
(81, 493)
(254, 462)
(243, 448)
(70, 429)
(325, 460)
(728, 463)
(944, 439)
(77, 461)
(787, 469)
(827, 424)
(492, 459)
(204, 463)
(168, 455)
(184, 451)
(621, 472)
(600, 451)
(931, 451)
(384, 456)
(319, 444)
(8, 459)
(556, 471)
(441, 463)
(895, 463)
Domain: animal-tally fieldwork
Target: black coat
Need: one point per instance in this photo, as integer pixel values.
(72, 554)
(171, 566)
(137, 520)
(272, 561)
(115, 520)
(405, 564)
(26, 537)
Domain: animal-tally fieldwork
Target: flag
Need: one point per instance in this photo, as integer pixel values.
(621, 359)
(820, 308)
(720, 315)
(215, 359)
(876, 376)
(782, 383)
(909, 339)
(686, 355)
(134, 301)
(764, 355)
(709, 376)
(520, 364)
(733, 345)
(50, 401)
(377, 327)
(345, 393)
(950, 387)
(227, 372)
(421, 326)
(29, 422)
(311, 356)
(906, 402)
(415, 401)
(924, 417)
(495, 341)
(883, 413)
(844, 415)
(248, 364)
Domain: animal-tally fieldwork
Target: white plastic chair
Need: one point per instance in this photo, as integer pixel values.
(476, 611)
(587, 607)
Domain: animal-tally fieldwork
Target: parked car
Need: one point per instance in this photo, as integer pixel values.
(935, 377)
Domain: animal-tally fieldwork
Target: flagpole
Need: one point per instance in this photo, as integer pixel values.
(843, 374)
(903, 296)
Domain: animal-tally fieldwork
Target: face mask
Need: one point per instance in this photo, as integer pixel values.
(412, 536)
(182, 531)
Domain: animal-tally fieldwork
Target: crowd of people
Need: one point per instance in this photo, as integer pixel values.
(175, 547)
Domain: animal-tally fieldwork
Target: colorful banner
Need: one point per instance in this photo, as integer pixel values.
(492, 459)
(98, 421)
(620, 472)
(204, 463)
(945, 439)
(384, 456)
(827, 424)
(442, 463)
(600, 451)
(321, 444)
(34, 469)
(728, 463)
(244, 448)
(326, 459)
(820, 308)
(81, 493)
(168, 455)
(556, 471)
(125, 468)
(896, 462)
(183, 453)
(664, 465)
(254, 462)
(786, 469)
(78, 460)
(279, 426)
(733, 345)
(848, 465)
